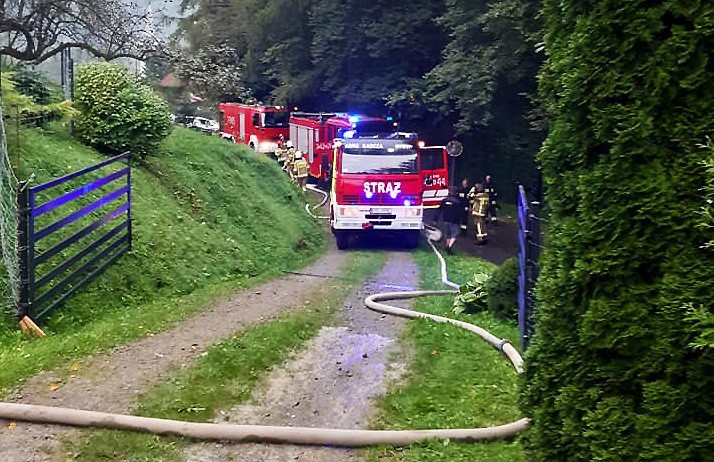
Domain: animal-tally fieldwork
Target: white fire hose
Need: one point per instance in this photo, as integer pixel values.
(325, 197)
(295, 435)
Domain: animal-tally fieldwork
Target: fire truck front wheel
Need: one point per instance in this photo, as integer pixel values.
(341, 239)
(412, 239)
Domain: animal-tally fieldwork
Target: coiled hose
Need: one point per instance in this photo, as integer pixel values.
(295, 435)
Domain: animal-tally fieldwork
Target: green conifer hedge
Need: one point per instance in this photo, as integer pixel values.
(614, 371)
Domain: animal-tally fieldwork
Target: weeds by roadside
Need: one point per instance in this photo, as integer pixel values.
(226, 375)
(455, 380)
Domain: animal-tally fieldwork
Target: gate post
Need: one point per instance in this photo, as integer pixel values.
(23, 249)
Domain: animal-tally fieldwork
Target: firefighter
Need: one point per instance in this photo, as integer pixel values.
(450, 212)
(478, 211)
(463, 195)
(288, 156)
(490, 189)
(300, 170)
(282, 153)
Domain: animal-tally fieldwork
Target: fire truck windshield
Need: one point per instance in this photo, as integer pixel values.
(378, 158)
(277, 119)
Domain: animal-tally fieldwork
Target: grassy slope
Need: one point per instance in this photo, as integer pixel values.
(456, 380)
(219, 218)
(226, 376)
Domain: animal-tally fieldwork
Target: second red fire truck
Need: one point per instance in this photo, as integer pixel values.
(260, 127)
(313, 134)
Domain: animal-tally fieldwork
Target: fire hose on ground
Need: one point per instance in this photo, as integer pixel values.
(296, 435)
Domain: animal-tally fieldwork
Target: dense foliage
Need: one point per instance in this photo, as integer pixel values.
(615, 371)
(502, 290)
(116, 112)
(32, 84)
(441, 67)
(27, 101)
(495, 291)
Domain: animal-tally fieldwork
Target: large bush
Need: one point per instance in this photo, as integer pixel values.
(614, 372)
(118, 113)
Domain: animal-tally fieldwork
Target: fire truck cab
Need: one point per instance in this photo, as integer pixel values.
(314, 133)
(260, 127)
(434, 167)
(376, 187)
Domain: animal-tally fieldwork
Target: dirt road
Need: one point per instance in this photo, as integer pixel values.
(331, 382)
(111, 383)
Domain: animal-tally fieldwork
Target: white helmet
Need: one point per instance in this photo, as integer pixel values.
(298, 154)
(289, 144)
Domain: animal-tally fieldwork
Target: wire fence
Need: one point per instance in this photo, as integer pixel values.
(530, 221)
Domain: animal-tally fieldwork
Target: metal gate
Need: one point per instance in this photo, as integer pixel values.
(529, 247)
(104, 234)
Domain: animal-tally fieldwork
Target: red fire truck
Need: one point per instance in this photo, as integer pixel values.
(313, 134)
(260, 127)
(376, 186)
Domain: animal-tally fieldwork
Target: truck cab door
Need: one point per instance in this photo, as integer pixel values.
(433, 167)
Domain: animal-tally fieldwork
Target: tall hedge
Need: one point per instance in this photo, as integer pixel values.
(614, 372)
(117, 112)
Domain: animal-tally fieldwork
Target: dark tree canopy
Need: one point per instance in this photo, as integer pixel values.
(443, 67)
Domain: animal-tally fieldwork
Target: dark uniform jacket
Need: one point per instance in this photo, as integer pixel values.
(450, 209)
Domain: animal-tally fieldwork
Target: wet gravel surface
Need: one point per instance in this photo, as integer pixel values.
(331, 382)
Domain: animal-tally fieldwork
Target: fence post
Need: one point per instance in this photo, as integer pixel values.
(23, 249)
(129, 211)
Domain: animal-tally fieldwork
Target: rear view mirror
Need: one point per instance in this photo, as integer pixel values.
(454, 148)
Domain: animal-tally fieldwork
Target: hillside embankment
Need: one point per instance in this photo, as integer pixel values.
(209, 217)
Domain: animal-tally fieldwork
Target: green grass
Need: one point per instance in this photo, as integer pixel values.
(456, 380)
(209, 217)
(226, 376)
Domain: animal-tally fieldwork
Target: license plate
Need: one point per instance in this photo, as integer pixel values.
(380, 211)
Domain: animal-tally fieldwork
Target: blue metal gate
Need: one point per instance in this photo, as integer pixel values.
(104, 234)
(529, 246)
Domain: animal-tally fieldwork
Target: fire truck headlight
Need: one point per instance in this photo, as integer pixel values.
(348, 212)
(412, 212)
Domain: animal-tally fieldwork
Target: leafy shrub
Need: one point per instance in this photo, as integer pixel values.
(613, 372)
(473, 296)
(118, 113)
(502, 289)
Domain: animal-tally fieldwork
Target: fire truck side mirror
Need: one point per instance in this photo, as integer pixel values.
(454, 148)
(256, 120)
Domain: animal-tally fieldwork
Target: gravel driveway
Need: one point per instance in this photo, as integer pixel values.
(329, 384)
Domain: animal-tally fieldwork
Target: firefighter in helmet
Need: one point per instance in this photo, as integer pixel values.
(281, 153)
(286, 156)
(489, 188)
(478, 211)
(300, 170)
